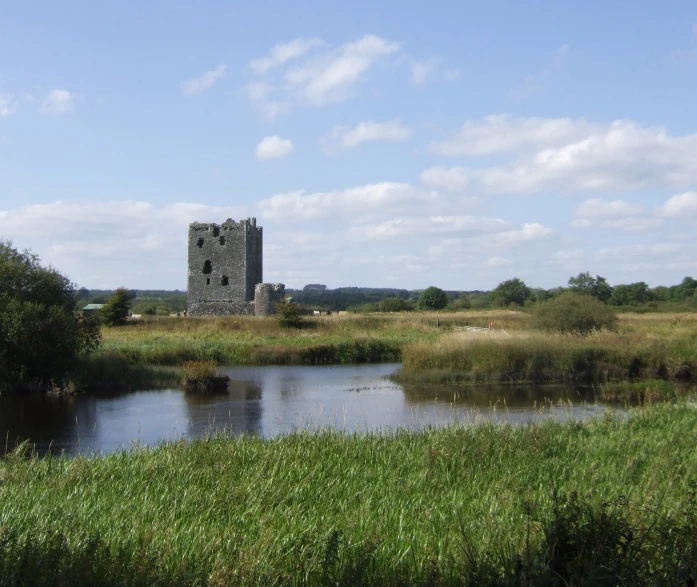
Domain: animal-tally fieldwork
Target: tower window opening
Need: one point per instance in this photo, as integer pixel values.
(207, 267)
(199, 243)
(224, 280)
(222, 240)
(208, 280)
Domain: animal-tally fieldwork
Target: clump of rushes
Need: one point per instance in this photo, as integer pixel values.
(203, 377)
(639, 392)
(547, 357)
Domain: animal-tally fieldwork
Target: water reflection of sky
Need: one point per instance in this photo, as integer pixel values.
(275, 400)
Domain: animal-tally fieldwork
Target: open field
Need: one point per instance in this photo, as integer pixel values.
(248, 340)
(552, 503)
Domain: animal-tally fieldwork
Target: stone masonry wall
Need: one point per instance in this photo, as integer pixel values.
(225, 265)
(265, 297)
(221, 309)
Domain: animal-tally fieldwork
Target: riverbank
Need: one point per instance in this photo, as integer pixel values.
(481, 505)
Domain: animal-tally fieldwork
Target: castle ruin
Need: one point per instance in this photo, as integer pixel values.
(225, 270)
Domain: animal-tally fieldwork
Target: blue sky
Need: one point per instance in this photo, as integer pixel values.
(385, 144)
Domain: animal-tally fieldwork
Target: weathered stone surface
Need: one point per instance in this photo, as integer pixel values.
(225, 267)
(265, 297)
(221, 308)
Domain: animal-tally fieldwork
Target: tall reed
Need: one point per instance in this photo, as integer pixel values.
(549, 503)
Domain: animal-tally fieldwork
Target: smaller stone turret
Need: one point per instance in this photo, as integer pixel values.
(266, 295)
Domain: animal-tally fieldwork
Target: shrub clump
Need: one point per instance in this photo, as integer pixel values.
(290, 314)
(432, 298)
(203, 376)
(41, 336)
(115, 311)
(574, 313)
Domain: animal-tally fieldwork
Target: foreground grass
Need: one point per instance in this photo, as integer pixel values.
(445, 506)
(644, 347)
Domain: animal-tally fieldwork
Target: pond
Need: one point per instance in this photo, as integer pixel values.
(273, 400)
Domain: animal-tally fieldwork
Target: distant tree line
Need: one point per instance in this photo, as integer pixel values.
(510, 293)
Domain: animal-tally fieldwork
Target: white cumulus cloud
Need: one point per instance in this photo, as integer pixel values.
(449, 178)
(282, 53)
(501, 133)
(372, 200)
(200, 84)
(390, 131)
(681, 206)
(421, 70)
(57, 102)
(8, 105)
(568, 155)
(293, 75)
(274, 147)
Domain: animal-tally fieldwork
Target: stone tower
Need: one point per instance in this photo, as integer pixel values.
(225, 265)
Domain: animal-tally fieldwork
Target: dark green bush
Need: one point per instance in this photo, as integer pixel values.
(115, 311)
(395, 305)
(41, 337)
(574, 313)
(289, 314)
(432, 298)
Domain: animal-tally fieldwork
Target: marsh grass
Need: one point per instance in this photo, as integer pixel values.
(203, 377)
(645, 347)
(609, 501)
(110, 371)
(654, 346)
(643, 392)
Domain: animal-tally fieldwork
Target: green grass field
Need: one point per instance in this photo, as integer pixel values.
(609, 501)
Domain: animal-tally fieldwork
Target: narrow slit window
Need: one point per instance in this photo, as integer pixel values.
(208, 280)
(222, 240)
(199, 243)
(224, 280)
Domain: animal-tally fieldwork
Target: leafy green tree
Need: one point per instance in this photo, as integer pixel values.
(633, 294)
(115, 311)
(289, 314)
(574, 313)
(432, 298)
(395, 305)
(597, 286)
(685, 290)
(513, 291)
(41, 337)
(461, 303)
(539, 294)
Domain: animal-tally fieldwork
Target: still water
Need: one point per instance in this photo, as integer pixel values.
(273, 400)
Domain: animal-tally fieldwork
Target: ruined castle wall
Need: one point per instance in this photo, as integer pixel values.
(265, 297)
(221, 309)
(254, 254)
(224, 266)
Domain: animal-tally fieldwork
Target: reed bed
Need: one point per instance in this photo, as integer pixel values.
(545, 504)
(642, 348)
